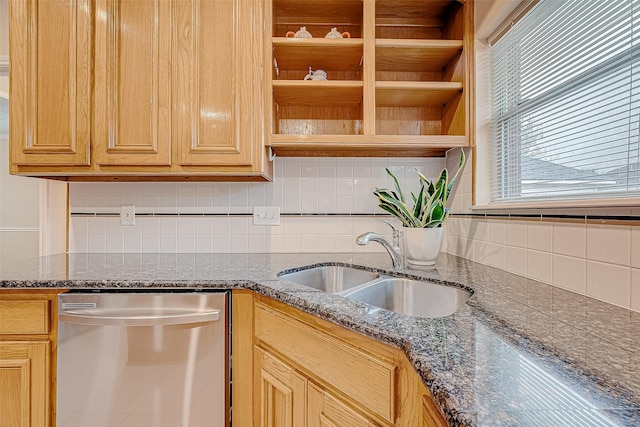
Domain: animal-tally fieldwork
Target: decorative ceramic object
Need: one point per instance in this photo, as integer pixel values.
(316, 75)
(302, 33)
(422, 245)
(335, 34)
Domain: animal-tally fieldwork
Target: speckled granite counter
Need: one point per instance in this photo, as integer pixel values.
(520, 353)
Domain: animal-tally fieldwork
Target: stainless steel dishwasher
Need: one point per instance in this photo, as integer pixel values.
(143, 359)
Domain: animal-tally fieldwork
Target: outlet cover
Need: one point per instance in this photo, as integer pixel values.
(266, 216)
(128, 215)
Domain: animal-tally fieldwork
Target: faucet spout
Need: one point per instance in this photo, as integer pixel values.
(395, 252)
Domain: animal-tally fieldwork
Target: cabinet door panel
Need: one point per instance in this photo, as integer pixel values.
(24, 387)
(281, 392)
(325, 410)
(212, 83)
(50, 89)
(132, 78)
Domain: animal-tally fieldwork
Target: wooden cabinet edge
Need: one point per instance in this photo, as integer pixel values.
(242, 302)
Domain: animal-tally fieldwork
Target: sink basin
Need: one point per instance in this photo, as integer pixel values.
(411, 297)
(330, 278)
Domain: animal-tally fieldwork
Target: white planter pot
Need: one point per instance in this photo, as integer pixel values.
(422, 245)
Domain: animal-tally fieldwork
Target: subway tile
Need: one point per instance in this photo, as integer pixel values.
(168, 244)
(609, 244)
(479, 230)
(480, 251)
(96, 243)
(78, 243)
(635, 289)
(635, 247)
(186, 243)
(257, 243)
(203, 226)
(133, 243)
(221, 225)
(239, 244)
(498, 232)
(151, 243)
(497, 256)
(275, 243)
(291, 243)
(186, 225)
(570, 273)
(204, 243)
(609, 283)
(539, 265)
(309, 204)
(221, 243)
(168, 226)
(239, 225)
(570, 239)
(516, 260)
(540, 236)
(517, 233)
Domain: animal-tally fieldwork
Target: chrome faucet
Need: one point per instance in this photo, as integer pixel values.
(394, 250)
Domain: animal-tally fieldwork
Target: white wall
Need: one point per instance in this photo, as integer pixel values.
(19, 211)
(4, 27)
(323, 186)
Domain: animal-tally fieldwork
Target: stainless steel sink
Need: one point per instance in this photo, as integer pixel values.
(331, 278)
(411, 297)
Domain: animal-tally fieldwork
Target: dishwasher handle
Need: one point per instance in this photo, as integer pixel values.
(137, 317)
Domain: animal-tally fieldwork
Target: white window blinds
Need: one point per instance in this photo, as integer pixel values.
(566, 102)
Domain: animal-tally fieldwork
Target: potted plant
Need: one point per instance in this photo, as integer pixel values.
(423, 216)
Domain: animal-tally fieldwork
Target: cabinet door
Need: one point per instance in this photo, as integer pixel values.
(325, 410)
(280, 392)
(132, 111)
(50, 102)
(24, 384)
(213, 90)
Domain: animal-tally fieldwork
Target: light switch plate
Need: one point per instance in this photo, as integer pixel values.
(266, 215)
(128, 215)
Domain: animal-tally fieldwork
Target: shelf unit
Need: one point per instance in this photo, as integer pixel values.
(400, 86)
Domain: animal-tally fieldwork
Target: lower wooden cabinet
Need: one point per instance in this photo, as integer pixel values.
(27, 358)
(312, 373)
(24, 383)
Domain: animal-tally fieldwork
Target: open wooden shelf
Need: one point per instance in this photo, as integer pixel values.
(416, 94)
(317, 16)
(417, 19)
(365, 145)
(415, 55)
(326, 54)
(317, 93)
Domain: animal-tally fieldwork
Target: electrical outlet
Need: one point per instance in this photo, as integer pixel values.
(128, 215)
(266, 216)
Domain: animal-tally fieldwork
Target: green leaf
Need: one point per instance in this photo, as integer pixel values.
(395, 181)
(460, 166)
(417, 210)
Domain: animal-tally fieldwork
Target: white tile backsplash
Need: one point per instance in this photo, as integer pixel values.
(301, 186)
(609, 282)
(609, 244)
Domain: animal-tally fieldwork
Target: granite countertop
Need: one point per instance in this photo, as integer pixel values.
(519, 353)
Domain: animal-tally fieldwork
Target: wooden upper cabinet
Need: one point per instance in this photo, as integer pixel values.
(212, 82)
(50, 82)
(159, 89)
(132, 97)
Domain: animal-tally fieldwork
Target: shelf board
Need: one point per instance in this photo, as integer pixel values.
(402, 11)
(317, 53)
(415, 55)
(318, 93)
(415, 94)
(365, 145)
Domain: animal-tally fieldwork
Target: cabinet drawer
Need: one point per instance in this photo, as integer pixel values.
(359, 375)
(25, 317)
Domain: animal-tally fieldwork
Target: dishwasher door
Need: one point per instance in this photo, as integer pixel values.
(143, 360)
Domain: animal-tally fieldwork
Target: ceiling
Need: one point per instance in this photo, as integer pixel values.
(4, 115)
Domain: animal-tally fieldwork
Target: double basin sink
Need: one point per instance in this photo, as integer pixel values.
(399, 294)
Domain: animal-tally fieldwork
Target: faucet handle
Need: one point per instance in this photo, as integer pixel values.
(397, 233)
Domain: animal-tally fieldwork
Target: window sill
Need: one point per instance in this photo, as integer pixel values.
(575, 206)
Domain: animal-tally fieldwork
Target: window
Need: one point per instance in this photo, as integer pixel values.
(566, 102)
